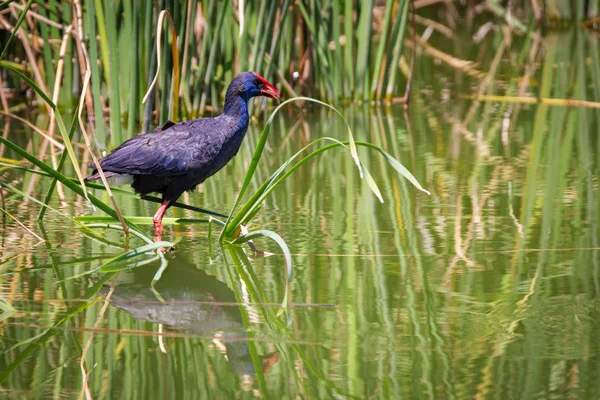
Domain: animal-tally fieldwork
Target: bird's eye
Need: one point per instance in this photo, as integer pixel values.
(257, 82)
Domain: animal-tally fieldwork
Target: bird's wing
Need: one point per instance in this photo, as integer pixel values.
(171, 151)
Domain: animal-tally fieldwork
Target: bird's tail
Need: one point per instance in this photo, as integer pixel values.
(92, 177)
(96, 175)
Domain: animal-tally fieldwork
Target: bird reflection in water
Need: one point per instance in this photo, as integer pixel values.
(194, 302)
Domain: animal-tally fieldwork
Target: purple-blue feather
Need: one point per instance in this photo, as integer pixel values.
(180, 156)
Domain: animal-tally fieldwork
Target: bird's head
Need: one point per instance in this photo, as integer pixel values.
(251, 84)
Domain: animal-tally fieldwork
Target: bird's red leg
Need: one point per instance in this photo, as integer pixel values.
(159, 216)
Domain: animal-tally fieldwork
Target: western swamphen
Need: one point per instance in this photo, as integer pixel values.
(177, 157)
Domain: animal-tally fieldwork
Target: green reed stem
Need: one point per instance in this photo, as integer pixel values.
(114, 87)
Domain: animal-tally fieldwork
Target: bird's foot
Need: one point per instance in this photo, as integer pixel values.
(257, 252)
(158, 228)
(243, 230)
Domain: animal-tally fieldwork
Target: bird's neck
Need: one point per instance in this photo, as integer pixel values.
(236, 107)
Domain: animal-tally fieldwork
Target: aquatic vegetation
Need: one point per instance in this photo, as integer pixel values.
(487, 288)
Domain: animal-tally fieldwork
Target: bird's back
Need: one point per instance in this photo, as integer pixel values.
(169, 152)
(176, 157)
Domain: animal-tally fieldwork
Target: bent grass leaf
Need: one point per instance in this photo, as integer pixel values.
(397, 166)
(110, 266)
(230, 228)
(286, 254)
(251, 206)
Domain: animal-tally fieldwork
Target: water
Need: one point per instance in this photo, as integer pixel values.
(488, 288)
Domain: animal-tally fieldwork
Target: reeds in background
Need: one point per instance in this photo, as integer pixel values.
(331, 50)
(335, 51)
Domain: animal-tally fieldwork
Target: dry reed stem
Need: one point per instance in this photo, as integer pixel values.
(3, 202)
(159, 30)
(3, 96)
(425, 3)
(33, 14)
(188, 25)
(57, 81)
(86, 81)
(463, 65)
(537, 11)
(441, 28)
(82, 53)
(30, 56)
(8, 27)
(241, 16)
(406, 98)
(161, 339)
(533, 100)
(55, 94)
(5, 136)
(35, 128)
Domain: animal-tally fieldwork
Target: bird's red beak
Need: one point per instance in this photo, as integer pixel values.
(267, 90)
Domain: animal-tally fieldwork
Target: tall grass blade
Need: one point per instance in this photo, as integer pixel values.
(363, 49)
(400, 30)
(90, 26)
(348, 47)
(134, 70)
(381, 48)
(114, 86)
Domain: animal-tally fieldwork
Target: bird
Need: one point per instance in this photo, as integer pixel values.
(177, 157)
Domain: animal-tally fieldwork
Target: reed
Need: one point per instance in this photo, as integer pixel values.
(348, 51)
(122, 52)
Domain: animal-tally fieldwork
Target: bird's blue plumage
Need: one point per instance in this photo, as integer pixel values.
(180, 156)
